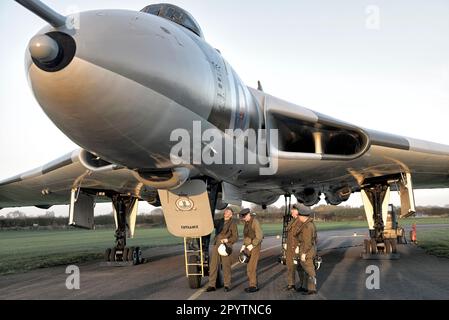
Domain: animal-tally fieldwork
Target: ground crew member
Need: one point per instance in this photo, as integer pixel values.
(252, 241)
(292, 247)
(226, 232)
(307, 238)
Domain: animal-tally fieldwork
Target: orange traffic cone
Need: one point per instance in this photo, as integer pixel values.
(413, 234)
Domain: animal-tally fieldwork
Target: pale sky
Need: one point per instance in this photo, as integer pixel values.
(378, 64)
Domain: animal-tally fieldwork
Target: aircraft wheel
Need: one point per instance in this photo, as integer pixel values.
(137, 256)
(125, 254)
(112, 255)
(373, 246)
(387, 243)
(130, 253)
(107, 254)
(194, 280)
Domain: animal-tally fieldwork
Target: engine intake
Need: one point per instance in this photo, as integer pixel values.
(304, 134)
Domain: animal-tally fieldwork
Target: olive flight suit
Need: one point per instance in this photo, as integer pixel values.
(224, 230)
(292, 243)
(253, 234)
(307, 238)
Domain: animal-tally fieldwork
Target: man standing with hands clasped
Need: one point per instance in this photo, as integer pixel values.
(227, 234)
(252, 240)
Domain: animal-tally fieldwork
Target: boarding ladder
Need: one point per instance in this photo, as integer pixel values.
(286, 220)
(194, 257)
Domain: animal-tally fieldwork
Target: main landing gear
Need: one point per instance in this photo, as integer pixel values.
(385, 234)
(125, 211)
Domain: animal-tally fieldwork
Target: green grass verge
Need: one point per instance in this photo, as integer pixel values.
(435, 241)
(26, 250)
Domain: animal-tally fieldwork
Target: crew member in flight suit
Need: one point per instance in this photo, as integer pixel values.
(307, 238)
(252, 242)
(226, 232)
(292, 249)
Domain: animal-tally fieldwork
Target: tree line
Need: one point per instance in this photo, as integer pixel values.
(19, 220)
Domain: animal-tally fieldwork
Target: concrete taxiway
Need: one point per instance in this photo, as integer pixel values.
(343, 275)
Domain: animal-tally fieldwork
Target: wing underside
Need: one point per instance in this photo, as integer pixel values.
(52, 183)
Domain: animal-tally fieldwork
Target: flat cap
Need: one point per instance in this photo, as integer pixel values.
(305, 213)
(244, 212)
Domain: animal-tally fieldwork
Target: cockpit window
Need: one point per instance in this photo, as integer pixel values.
(152, 10)
(175, 14)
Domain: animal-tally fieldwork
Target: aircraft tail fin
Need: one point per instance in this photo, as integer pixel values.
(44, 12)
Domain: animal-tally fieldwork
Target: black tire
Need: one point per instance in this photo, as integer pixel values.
(367, 246)
(387, 243)
(130, 253)
(137, 256)
(112, 255)
(194, 281)
(393, 246)
(125, 254)
(107, 254)
(373, 246)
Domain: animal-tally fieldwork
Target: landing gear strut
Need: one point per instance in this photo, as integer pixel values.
(125, 209)
(376, 198)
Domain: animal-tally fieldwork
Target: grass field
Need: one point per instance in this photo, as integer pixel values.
(435, 241)
(26, 250)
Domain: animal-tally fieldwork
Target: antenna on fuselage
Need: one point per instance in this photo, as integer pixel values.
(259, 86)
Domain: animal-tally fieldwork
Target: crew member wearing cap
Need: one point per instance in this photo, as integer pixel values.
(307, 238)
(252, 240)
(225, 233)
(292, 248)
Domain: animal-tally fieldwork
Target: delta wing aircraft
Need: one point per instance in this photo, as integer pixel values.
(158, 114)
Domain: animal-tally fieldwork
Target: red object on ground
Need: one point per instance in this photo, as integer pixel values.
(413, 233)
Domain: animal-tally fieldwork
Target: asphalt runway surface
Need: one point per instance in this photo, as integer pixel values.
(343, 275)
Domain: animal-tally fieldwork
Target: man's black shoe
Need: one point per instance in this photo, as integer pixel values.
(251, 289)
(309, 292)
(301, 289)
(226, 289)
(209, 289)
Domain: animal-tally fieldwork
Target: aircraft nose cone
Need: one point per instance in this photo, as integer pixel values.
(43, 48)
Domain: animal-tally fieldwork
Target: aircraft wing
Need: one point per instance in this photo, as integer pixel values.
(320, 154)
(51, 184)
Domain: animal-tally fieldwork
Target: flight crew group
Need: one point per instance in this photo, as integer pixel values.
(300, 250)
